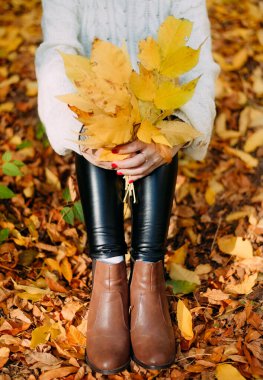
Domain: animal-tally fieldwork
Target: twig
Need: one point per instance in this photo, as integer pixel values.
(218, 226)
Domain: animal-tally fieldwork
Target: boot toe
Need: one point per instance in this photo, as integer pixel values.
(154, 353)
(109, 358)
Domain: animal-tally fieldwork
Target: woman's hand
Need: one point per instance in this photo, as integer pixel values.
(92, 156)
(145, 158)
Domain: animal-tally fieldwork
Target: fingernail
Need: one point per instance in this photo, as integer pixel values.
(131, 181)
(114, 150)
(119, 173)
(114, 166)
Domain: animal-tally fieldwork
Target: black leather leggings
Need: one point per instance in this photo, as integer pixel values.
(102, 192)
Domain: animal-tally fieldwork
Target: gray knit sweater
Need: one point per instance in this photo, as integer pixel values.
(71, 25)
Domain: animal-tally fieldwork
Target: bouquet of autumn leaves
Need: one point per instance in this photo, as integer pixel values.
(117, 105)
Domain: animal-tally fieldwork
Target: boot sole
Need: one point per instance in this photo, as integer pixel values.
(107, 372)
(146, 366)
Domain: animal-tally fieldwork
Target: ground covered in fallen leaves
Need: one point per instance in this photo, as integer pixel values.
(214, 255)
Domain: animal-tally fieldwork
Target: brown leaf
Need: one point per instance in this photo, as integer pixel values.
(57, 373)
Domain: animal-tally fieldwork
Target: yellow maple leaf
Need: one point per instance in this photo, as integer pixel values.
(148, 133)
(169, 96)
(82, 116)
(148, 111)
(74, 99)
(181, 61)
(109, 97)
(110, 131)
(77, 67)
(177, 132)
(149, 54)
(110, 62)
(172, 34)
(143, 85)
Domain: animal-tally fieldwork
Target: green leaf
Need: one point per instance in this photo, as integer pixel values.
(66, 195)
(68, 215)
(6, 156)
(181, 286)
(5, 192)
(45, 143)
(78, 211)
(24, 144)
(40, 131)
(18, 163)
(11, 169)
(4, 234)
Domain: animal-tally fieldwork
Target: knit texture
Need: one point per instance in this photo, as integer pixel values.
(71, 26)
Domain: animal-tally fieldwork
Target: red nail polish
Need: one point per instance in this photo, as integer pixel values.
(131, 181)
(114, 150)
(114, 166)
(119, 173)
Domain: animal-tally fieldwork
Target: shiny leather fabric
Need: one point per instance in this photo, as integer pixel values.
(102, 192)
(151, 214)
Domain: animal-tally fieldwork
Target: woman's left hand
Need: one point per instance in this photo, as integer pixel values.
(145, 158)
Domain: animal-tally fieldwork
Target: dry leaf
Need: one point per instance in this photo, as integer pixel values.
(245, 287)
(4, 355)
(177, 272)
(238, 60)
(69, 310)
(249, 160)
(184, 319)
(58, 373)
(178, 256)
(236, 246)
(66, 269)
(254, 141)
(215, 296)
(52, 179)
(227, 371)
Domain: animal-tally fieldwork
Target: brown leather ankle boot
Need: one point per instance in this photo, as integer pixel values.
(108, 338)
(152, 336)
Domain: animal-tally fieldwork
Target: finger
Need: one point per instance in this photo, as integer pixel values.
(103, 164)
(132, 147)
(142, 170)
(135, 161)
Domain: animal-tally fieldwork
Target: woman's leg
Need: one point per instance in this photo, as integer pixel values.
(101, 193)
(152, 337)
(108, 338)
(151, 214)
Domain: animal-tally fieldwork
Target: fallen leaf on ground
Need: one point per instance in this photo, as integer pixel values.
(184, 319)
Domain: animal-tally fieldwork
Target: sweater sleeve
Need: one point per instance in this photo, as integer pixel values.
(200, 110)
(60, 27)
